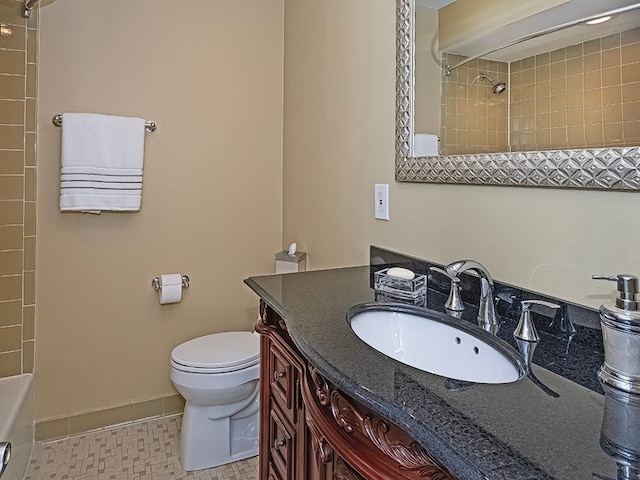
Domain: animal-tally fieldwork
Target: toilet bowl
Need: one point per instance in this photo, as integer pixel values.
(218, 376)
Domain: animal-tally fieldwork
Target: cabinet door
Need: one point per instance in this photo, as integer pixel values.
(282, 444)
(273, 473)
(282, 414)
(316, 465)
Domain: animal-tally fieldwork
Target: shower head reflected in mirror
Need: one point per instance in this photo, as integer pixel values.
(496, 87)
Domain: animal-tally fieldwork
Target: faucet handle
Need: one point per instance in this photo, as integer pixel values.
(526, 304)
(454, 302)
(453, 278)
(627, 290)
(526, 329)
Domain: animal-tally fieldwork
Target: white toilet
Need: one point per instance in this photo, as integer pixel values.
(218, 375)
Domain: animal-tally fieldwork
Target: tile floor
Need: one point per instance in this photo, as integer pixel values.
(145, 451)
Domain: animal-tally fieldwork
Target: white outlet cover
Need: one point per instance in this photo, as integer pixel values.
(381, 201)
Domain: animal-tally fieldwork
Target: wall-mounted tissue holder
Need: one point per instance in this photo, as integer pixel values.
(291, 261)
(169, 287)
(155, 283)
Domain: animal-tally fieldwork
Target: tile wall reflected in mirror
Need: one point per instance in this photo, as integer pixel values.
(583, 96)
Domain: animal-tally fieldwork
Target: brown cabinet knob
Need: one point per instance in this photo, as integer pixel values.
(278, 443)
(277, 375)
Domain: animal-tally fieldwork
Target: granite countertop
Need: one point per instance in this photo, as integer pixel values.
(512, 431)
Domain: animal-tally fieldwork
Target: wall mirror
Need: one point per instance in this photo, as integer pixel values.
(537, 101)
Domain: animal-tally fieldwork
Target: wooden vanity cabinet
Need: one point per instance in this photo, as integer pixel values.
(310, 430)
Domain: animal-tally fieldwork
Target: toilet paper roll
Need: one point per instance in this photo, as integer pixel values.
(170, 288)
(425, 145)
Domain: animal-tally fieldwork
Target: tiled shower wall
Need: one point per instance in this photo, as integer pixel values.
(582, 96)
(18, 107)
(474, 119)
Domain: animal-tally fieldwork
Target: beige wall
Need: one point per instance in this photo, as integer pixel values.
(339, 125)
(18, 103)
(210, 74)
(339, 141)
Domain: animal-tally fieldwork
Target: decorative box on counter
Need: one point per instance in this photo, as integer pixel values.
(420, 301)
(397, 288)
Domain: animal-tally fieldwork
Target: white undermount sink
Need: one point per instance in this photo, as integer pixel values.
(436, 343)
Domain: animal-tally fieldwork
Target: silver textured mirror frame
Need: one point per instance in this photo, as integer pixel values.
(601, 168)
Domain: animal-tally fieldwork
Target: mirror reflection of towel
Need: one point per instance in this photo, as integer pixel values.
(425, 145)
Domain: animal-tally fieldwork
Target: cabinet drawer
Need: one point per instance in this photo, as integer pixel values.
(282, 445)
(283, 375)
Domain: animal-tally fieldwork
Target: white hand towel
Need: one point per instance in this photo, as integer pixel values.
(425, 145)
(102, 160)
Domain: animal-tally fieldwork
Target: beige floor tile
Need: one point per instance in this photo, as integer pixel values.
(141, 451)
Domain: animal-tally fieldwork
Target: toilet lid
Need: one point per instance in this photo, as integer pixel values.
(220, 350)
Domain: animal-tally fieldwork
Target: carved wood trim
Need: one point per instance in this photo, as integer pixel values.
(265, 318)
(342, 471)
(262, 316)
(409, 455)
(271, 325)
(322, 389)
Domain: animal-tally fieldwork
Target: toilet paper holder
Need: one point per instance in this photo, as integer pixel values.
(155, 283)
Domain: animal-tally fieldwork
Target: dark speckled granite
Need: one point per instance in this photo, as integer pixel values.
(513, 431)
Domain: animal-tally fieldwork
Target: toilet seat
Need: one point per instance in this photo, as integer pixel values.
(217, 353)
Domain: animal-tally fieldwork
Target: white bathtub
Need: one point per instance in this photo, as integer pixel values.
(16, 422)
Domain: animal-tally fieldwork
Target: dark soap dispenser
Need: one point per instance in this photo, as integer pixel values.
(621, 334)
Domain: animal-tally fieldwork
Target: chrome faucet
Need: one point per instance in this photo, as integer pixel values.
(526, 337)
(5, 456)
(486, 315)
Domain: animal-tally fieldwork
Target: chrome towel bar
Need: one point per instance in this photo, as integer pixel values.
(150, 126)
